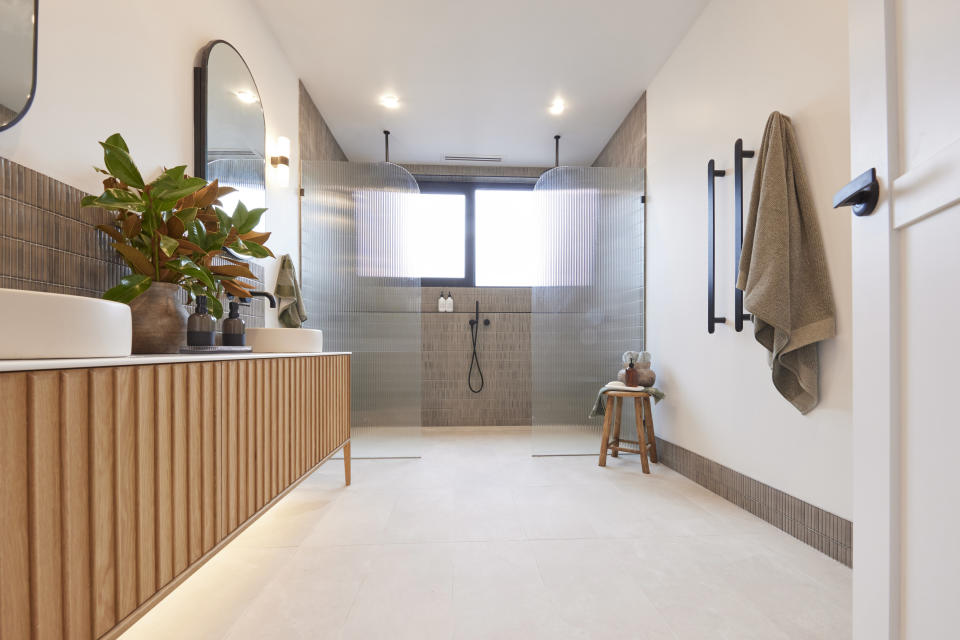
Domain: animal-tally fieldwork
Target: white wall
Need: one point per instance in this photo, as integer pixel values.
(116, 65)
(742, 60)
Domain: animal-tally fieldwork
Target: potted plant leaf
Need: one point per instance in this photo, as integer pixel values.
(173, 235)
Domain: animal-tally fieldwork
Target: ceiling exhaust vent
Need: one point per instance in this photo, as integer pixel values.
(464, 158)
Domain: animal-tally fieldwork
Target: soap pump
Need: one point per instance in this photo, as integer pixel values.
(234, 329)
(201, 327)
(633, 376)
(441, 303)
(449, 307)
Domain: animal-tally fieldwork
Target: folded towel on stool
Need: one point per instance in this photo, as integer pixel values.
(599, 407)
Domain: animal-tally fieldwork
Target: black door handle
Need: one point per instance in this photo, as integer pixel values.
(861, 193)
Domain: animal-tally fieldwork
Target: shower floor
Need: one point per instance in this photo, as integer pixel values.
(477, 539)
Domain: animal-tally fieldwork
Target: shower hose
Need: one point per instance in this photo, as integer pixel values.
(474, 360)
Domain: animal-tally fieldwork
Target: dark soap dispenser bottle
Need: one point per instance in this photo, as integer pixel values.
(234, 329)
(201, 327)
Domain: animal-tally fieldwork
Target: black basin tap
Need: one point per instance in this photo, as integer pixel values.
(260, 294)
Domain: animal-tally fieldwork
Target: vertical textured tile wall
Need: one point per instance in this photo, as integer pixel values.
(316, 139)
(627, 147)
(503, 349)
(48, 243)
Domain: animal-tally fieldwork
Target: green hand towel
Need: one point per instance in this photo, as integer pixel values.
(599, 408)
(292, 314)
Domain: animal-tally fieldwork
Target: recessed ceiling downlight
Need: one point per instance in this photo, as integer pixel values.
(557, 106)
(390, 101)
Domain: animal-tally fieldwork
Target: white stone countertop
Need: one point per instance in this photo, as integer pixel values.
(163, 358)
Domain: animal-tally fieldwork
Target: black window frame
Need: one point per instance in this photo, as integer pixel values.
(468, 190)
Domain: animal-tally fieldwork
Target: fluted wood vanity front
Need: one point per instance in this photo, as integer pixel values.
(116, 482)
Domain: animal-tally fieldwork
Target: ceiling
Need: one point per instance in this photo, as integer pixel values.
(477, 78)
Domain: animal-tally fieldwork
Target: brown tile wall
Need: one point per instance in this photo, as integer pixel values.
(820, 529)
(48, 243)
(316, 139)
(627, 147)
(503, 350)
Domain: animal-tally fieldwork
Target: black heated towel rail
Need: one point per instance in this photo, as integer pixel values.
(712, 174)
(739, 153)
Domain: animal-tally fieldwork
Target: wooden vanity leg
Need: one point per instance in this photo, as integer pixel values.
(346, 463)
(641, 435)
(616, 428)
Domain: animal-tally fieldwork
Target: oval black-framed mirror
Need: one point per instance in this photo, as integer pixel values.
(19, 29)
(229, 125)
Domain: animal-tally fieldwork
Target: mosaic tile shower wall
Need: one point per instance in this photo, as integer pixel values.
(503, 350)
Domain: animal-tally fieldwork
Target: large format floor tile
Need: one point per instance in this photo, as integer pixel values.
(480, 540)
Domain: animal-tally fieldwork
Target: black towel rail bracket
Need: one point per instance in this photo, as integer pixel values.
(712, 174)
(861, 193)
(739, 153)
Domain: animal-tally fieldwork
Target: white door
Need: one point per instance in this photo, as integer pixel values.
(905, 121)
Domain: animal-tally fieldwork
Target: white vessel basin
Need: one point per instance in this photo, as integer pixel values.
(285, 340)
(53, 325)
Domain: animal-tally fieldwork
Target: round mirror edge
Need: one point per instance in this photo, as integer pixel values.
(33, 85)
(200, 105)
(200, 115)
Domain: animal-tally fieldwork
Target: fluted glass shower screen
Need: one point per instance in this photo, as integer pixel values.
(589, 307)
(357, 288)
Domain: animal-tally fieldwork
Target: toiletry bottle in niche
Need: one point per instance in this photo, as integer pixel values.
(201, 326)
(234, 329)
(449, 307)
(441, 303)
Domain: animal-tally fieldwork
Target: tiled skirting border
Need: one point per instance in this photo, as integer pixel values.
(820, 529)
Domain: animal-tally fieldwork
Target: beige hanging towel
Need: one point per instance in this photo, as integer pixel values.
(783, 269)
(291, 314)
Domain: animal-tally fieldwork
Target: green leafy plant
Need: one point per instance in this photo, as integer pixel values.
(173, 230)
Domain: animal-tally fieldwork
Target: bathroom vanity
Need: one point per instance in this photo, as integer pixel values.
(120, 476)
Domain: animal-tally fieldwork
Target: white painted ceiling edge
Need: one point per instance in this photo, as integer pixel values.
(477, 79)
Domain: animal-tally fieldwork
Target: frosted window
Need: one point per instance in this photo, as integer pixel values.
(511, 238)
(434, 238)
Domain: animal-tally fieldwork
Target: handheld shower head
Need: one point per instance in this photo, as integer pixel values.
(475, 360)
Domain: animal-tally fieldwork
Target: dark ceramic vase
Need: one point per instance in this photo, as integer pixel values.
(159, 320)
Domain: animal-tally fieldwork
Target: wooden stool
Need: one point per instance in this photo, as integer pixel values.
(646, 439)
